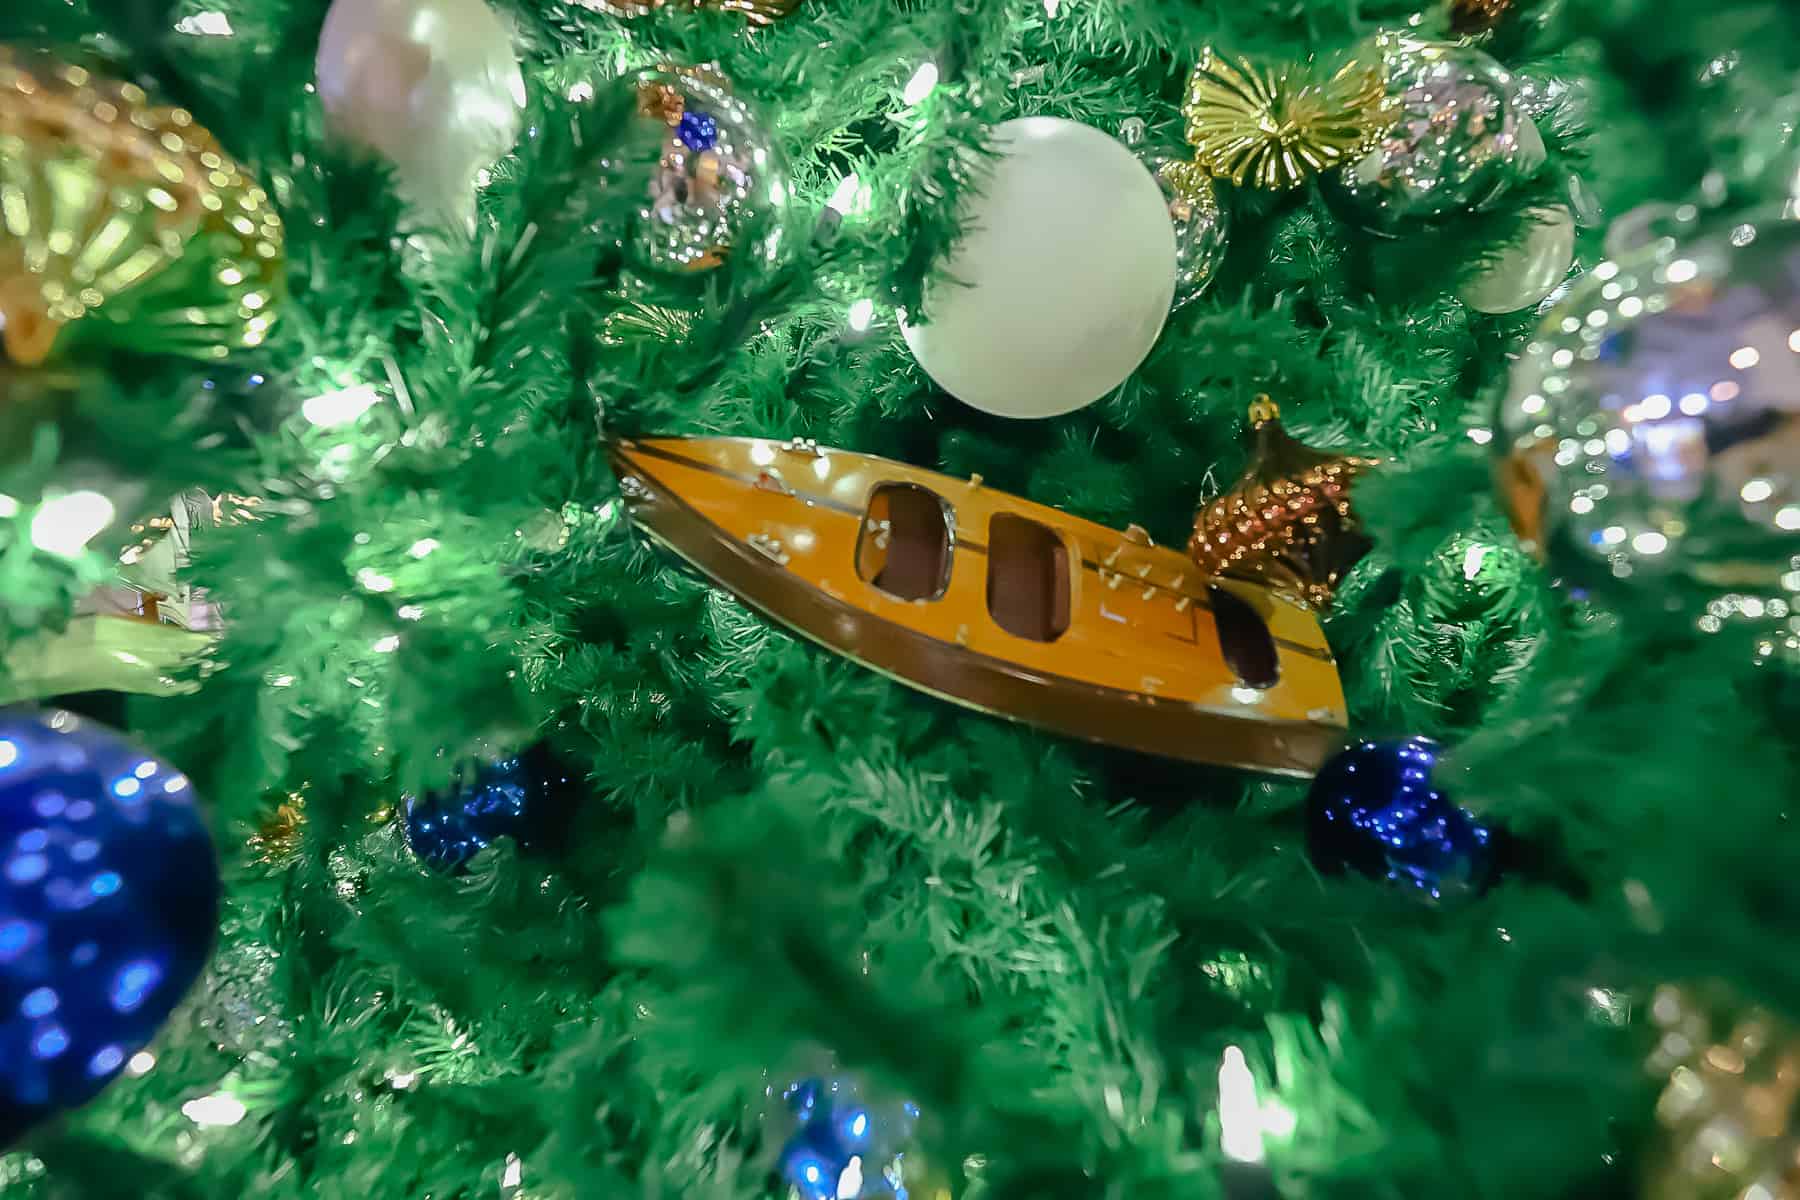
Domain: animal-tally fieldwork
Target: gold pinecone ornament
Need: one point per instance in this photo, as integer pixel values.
(1275, 127)
(1730, 1109)
(123, 223)
(1471, 17)
(1287, 522)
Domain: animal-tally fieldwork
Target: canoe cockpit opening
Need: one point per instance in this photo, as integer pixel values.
(1028, 578)
(904, 548)
(1245, 642)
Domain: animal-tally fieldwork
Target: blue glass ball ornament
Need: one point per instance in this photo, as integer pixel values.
(1373, 809)
(526, 796)
(697, 130)
(109, 898)
(843, 1146)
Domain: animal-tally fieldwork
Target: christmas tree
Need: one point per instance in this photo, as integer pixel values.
(550, 866)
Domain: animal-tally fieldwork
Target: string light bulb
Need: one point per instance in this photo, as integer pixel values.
(920, 85)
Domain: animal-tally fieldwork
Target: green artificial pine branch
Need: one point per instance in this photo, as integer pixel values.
(783, 859)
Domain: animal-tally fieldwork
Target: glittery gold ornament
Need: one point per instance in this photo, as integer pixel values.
(277, 837)
(123, 223)
(759, 12)
(1275, 127)
(1469, 17)
(1731, 1107)
(1287, 522)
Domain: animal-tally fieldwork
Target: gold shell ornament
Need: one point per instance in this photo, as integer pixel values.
(1275, 127)
(123, 223)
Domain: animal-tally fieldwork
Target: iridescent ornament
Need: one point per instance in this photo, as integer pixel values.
(1200, 227)
(1275, 127)
(1528, 271)
(1651, 433)
(719, 184)
(109, 897)
(527, 797)
(842, 1146)
(123, 223)
(432, 86)
(1287, 521)
(1454, 143)
(1730, 1107)
(1375, 809)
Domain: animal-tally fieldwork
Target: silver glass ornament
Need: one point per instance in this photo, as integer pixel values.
(1457, 142)
(1201, 226)
(1652, 426)
(719, 183)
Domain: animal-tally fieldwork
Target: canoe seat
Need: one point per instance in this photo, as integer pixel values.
(904, 547)
(1028, 578)
(1245, 642)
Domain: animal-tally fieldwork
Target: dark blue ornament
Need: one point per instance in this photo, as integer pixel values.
(697, 130)
(1373, 809)
(527, 797)
(842, 1143)
(109, 897)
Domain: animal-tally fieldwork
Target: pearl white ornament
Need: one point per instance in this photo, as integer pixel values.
(1069, 265)
(432, 86)
(1529, 271)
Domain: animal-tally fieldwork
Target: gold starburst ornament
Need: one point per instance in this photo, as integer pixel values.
(122, 223)
(1287, 522)
(1275, 127)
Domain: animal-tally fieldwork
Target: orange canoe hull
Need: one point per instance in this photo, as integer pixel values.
(1137, 662)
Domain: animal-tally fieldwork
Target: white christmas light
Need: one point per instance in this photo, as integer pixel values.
(218, 1109)
(340, 407)
(1471, 564)
(1240, 1121)
(66, 524)
(848, 197)
(206, 24)
(919, 86)
(862, 315)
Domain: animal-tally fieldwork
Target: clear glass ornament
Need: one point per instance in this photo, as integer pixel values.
(719, 183)
(1457, 142)
(1652, 427)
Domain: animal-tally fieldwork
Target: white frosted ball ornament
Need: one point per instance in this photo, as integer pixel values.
(1062, 280)
(432, 86)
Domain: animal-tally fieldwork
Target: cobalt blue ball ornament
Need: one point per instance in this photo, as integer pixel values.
(843, 1148)
(109, 897)
(527, 797)
(1374, 810)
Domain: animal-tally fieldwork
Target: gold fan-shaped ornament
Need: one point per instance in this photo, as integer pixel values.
(1275, 127)
(759, 12)
(122, 222)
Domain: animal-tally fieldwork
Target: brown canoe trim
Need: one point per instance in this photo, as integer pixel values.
(1198, 600)
(978, 681)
